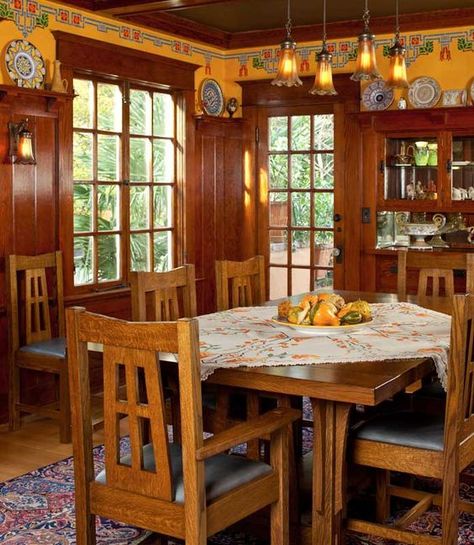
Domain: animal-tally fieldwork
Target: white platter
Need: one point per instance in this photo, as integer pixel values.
(424, 92)
(321, 329)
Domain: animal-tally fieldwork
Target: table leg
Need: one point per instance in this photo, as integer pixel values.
(331, 421)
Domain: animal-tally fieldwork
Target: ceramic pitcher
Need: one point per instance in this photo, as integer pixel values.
(421, 153)
(58, 84)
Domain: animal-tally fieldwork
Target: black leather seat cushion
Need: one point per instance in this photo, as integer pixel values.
(53, 347)
(223, 472)
(407, 429)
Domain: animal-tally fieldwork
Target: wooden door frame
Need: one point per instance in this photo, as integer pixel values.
(260, 98)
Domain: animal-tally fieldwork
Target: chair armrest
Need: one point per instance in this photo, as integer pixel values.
(267, 423)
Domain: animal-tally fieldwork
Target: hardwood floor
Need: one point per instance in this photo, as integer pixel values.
(35, 445)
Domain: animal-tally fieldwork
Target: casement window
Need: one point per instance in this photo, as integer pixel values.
(124, 176)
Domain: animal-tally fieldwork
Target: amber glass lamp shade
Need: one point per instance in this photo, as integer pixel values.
(323, 84)
(288, 65)
(397, 76)
(366, 64)
(24, 153)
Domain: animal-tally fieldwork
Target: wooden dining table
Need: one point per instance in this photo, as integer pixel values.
(333, 389)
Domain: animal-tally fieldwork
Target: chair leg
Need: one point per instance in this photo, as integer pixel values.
(85, 527)
(64, 407)
(450, 509)
(280, 527)
(382, 497)
(14, 397)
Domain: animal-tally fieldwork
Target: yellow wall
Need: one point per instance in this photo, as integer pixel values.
(446, 55)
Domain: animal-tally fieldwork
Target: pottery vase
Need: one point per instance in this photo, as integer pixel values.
(58, 85)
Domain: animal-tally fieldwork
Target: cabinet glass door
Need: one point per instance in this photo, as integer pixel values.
(462, 169)
(411, 168)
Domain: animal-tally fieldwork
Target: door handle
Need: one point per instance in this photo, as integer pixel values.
(337, 253)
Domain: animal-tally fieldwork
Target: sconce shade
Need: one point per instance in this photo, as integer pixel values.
(323, 84)
(288, 65)
(397, 75)
(21, 143)
(366, 64)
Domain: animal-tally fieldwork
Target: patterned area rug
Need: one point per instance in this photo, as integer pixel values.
(38, 509)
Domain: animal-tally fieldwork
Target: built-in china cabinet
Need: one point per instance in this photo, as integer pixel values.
(417, 168)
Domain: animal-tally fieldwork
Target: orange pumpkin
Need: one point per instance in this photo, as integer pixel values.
(326, 315)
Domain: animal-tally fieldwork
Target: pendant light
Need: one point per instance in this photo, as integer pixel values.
(323, 84)
(397, 76)
(366, 64)
(288, 65)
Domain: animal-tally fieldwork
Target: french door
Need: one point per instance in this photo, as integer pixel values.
(300, 199)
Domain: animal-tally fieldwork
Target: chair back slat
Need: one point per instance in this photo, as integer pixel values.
(168, 296)
(459, 423)
(35, 285)
(246, 280)
(143, 404)
(432, 269)
(133, 388)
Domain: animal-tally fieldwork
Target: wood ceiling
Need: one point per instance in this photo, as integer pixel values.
(241, 23)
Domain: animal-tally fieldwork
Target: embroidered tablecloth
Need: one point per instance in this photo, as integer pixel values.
(246, 337)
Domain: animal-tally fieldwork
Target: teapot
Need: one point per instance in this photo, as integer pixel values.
(422, 153)
(404, 157)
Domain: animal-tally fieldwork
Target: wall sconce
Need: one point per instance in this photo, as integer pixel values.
(21, 143)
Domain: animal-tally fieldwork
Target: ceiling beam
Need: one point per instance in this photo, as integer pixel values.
(125, 7)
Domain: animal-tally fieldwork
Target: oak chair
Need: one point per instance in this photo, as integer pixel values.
(437, 267)
(171, 294)
(240, 283)
(426, 445)
(188, 491)
(31, 342)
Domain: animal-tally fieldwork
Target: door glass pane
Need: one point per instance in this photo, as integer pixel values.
(140, 252)
(463, 168)
(83, 260)
(109, 107)
(300, 132)
(163, 161)
(108, 251)
(162, 206)
(324, 171)
(140, 150)
(162, 251)
(323, 278)
(108, 211)
(300, 171)
(83, 199)
(323, 248)
(279, 246)
(278, 171)
(278, 282)
(278, 133)
(82, 156)
(300, 249)
(139, 207)
(140, 112)
(83, 105)
(108, 158)
(279, 209)
(324, 209)
(163, 115)
(300, 281)
(300, 209)
(324, 132)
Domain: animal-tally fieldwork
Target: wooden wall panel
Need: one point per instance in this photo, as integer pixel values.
(217, 197)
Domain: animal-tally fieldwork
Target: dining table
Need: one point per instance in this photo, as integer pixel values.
(333, 389)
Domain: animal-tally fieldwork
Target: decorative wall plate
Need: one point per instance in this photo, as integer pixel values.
(471, 92)
(377, 96)
(25, 64)
(424, 92)
(211, 97)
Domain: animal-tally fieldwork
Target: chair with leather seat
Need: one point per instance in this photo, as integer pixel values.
(425, 445)
(32, 341)
(187, 491)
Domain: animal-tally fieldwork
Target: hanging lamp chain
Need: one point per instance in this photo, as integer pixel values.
(397, 24)
(366, 17)
(324, 24)
(288, 25)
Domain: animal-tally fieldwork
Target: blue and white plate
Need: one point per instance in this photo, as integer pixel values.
(211, 97)
(377, 96)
